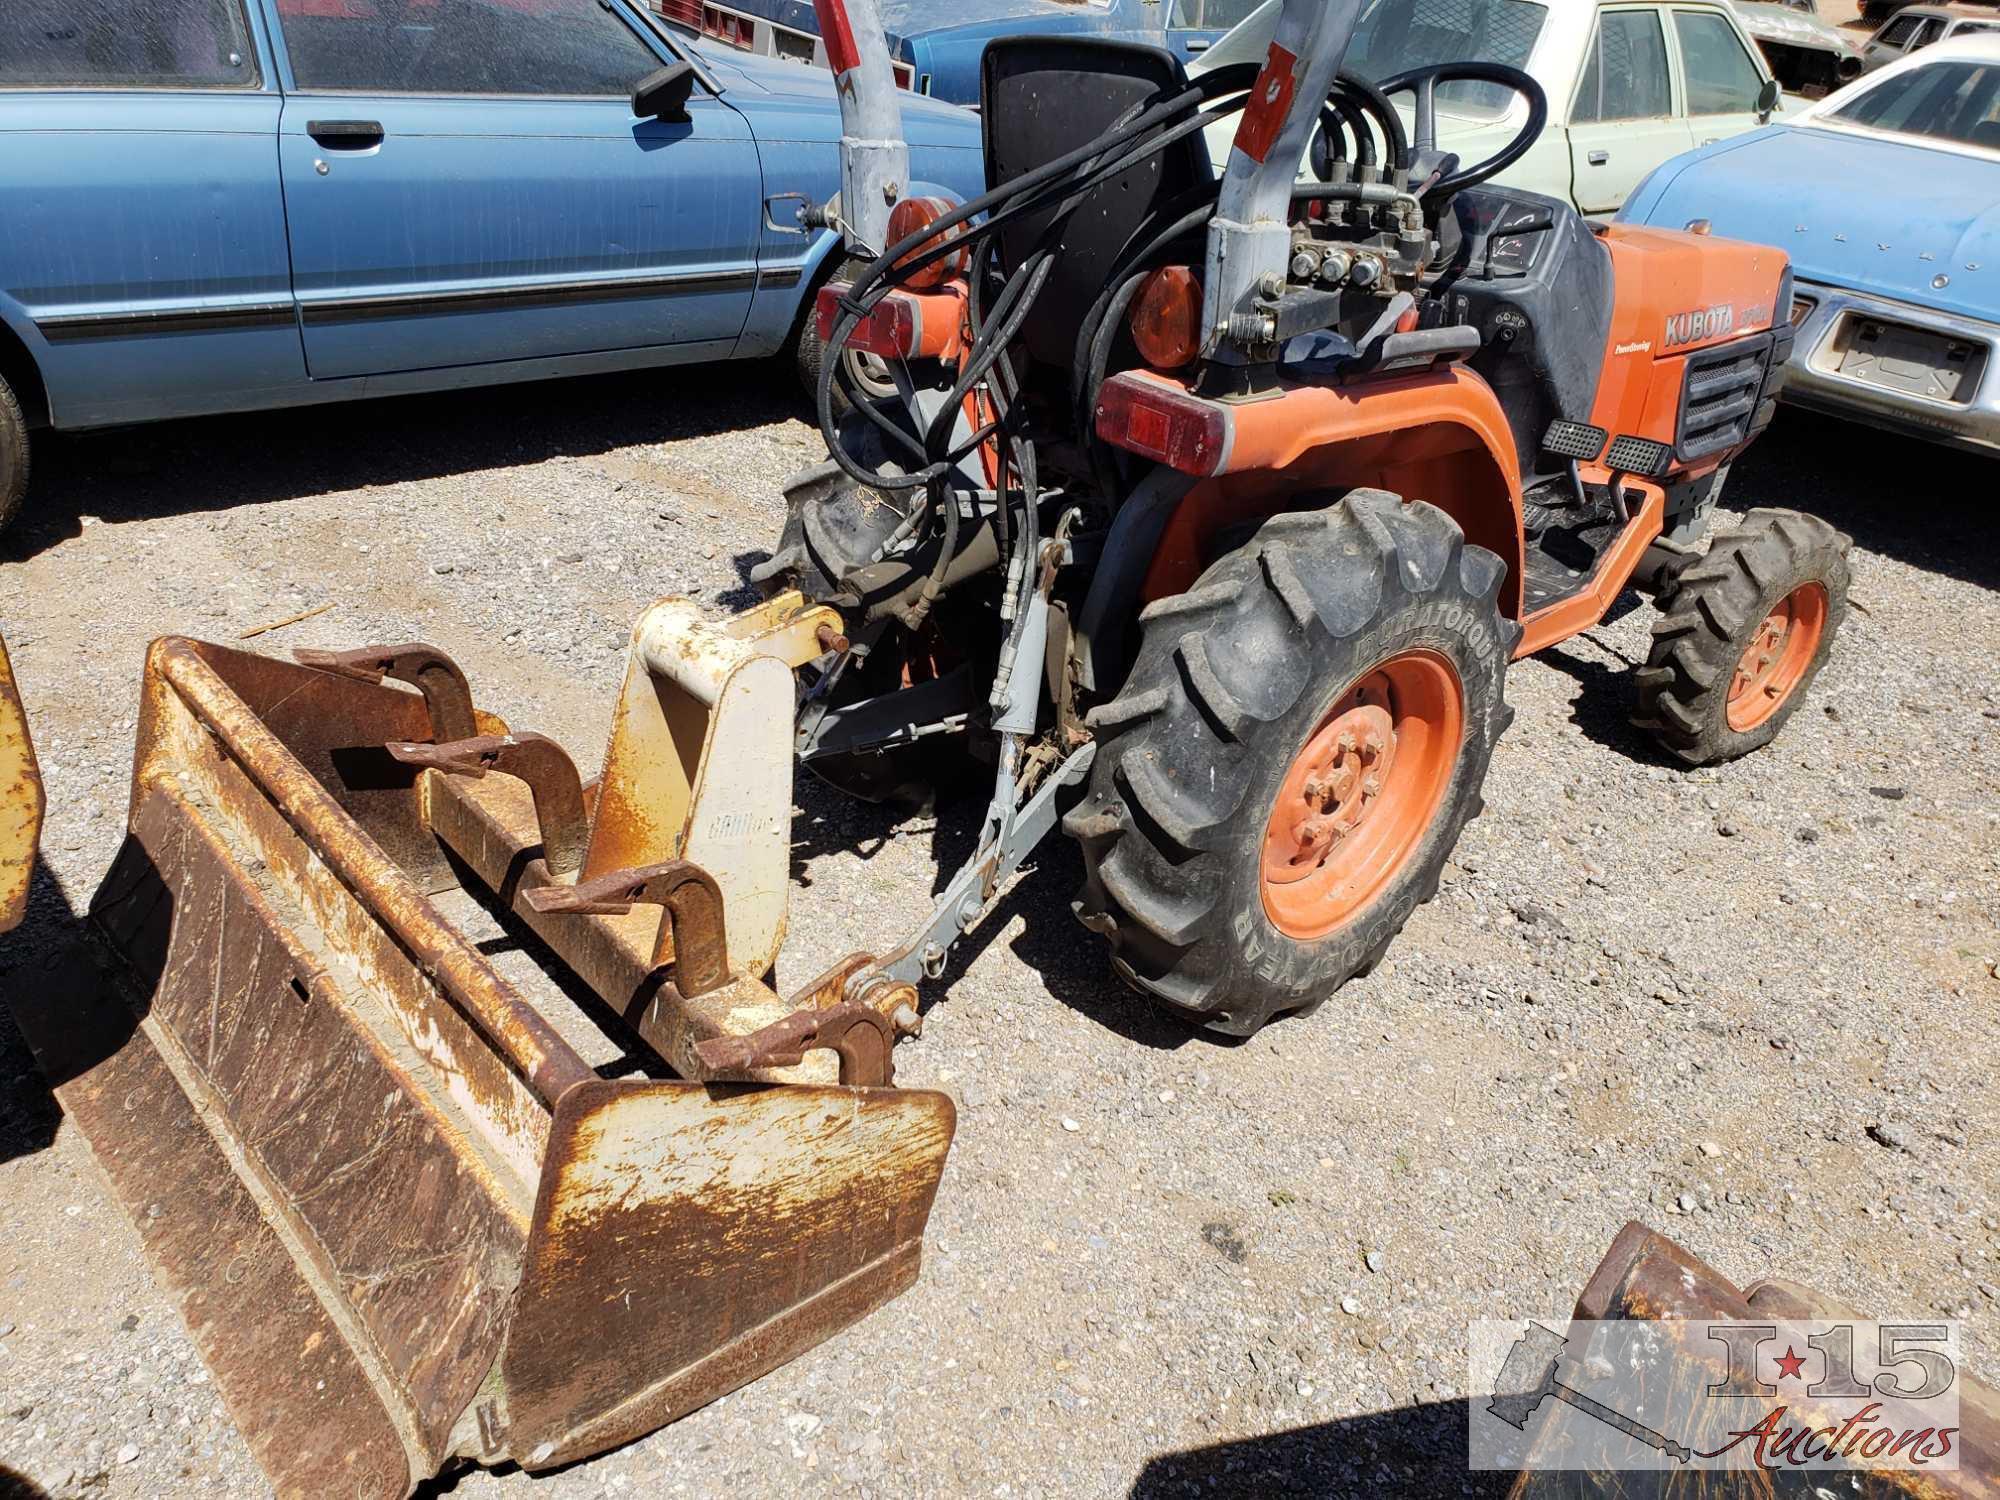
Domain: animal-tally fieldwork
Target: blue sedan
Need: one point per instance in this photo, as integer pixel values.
(938, 43)
(225, 205)
(1886, 196)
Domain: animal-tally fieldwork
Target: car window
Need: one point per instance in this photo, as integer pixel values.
(576, 47)
(1210, 15)
(1966, 28)
(1898, 31)
(1721, 79)
(1625, 76)
(1393, 36)
(1955, 101)
(1926, 34)
(125, 44)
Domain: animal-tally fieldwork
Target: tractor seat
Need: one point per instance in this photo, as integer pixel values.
(1043, 96)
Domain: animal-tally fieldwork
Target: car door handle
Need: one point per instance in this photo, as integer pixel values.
(1598, 158)
(345, 135)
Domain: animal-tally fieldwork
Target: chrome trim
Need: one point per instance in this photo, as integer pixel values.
(1810, 383)
(63, 328)
(317, 313)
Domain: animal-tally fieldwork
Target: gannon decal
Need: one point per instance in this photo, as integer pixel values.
(1699, 323)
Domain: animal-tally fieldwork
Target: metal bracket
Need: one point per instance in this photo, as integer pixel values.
(863, 1038)
(446, 692)
(692, 935)
(1013, 833)
(539, 761)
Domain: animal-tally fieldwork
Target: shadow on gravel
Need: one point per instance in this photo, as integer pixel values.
(1920, 503)
(15, 1486)
(258, 458)
(1412, 1450)
(31, 960)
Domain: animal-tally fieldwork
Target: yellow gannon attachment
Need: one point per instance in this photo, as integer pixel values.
(407, 1211)
(21, 801)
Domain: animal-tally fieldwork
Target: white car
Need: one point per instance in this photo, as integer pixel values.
(1630, 83)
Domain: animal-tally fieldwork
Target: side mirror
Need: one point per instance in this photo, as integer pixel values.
(664, 95)
(1767, 100)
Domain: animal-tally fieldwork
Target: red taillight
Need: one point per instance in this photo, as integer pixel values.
(892, 328)
(914, 216)
(1166, 318)
(1164, 423)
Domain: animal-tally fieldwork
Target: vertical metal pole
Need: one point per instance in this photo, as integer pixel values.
(1250, 238)
(874, 157)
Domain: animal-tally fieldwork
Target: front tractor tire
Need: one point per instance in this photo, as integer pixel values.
(1300, 743)
(1741, 636)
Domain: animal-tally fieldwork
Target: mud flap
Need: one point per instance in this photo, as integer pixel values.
(403, 1218)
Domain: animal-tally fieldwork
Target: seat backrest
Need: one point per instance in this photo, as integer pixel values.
(1041, 98)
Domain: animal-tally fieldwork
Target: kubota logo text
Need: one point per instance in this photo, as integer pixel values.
(1699, 323)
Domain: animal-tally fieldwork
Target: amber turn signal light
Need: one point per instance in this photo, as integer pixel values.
(913, 216)
(1166, 318)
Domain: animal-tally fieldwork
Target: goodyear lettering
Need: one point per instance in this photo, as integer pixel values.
(1699, 324)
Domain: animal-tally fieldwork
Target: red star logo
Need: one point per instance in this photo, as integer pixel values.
(1790, 1365)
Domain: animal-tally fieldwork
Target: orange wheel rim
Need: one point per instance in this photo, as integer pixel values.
(1361, 793)
(1782, 647)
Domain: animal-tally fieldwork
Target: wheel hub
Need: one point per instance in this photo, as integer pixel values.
(1359, 795)
(1341, 774)
(1780, 650)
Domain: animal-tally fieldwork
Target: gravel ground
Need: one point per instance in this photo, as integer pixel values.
(1159, 1265)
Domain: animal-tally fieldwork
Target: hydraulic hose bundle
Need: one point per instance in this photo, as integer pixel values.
(929, 456)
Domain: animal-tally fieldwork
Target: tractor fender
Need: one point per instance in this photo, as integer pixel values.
(1438, 436)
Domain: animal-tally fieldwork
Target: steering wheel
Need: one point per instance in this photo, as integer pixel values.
(1423, 83)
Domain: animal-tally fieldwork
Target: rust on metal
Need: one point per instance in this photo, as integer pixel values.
(1647, 1277)
(405, 1222)
(690, 1237)
(489, 825)
(423, 667)
(692, 936)
(21, 801)
(862, 1038)
(550, 774)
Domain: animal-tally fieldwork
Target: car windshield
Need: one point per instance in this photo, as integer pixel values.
(1953, 101)
(1396, 35)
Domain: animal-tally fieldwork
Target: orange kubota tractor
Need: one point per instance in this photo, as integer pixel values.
(1214, 504)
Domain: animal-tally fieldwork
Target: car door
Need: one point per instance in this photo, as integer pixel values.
(142, 235)
(1625, 119)
(1720, 81)
(1889, 43)
(466, 184)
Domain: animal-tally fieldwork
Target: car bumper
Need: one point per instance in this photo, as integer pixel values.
(1957, 402)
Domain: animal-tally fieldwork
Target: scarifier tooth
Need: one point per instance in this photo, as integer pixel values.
(1194, 601)
(1206, 691)
(1286, 584)
(1126, 710)
(1153, 796)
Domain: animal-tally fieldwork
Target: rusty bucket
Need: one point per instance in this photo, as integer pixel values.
(407, 1218)
(20, 801)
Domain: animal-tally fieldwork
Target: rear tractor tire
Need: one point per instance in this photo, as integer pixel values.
(1302, 740)
(1741, 636)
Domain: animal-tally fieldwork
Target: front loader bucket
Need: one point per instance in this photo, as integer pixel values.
(403, 1216)
(20, 801)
